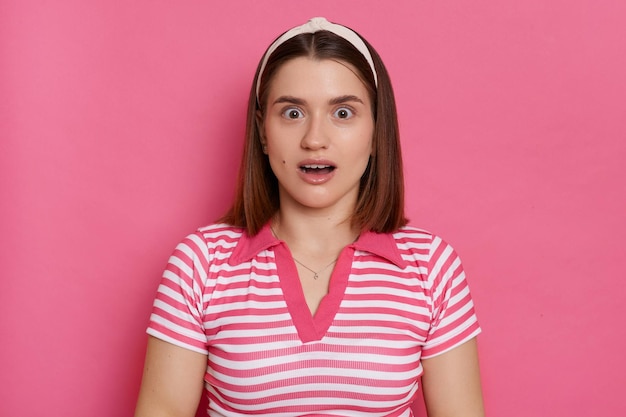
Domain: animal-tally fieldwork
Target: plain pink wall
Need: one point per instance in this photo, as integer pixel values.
(121, 127)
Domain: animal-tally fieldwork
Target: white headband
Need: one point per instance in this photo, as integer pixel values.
(315, 25)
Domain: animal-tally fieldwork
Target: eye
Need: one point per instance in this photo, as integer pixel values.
(292, 113)
(343, 113)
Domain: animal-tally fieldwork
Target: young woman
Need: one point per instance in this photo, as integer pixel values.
(311, 296)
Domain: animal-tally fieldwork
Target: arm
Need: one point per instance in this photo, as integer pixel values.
(172, 383)
(451, 383)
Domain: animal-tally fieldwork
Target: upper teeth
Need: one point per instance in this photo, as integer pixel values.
(315, 166)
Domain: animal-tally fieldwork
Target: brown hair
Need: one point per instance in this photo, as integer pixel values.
(380, 204)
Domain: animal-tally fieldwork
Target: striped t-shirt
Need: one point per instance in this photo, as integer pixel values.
(393, 299)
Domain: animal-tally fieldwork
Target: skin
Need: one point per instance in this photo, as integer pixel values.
(172, 381)
(327, 118)
(451, 383)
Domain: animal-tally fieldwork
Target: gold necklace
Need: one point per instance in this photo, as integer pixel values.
(315, 273)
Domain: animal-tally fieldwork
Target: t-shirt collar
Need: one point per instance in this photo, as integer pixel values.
(381, 244)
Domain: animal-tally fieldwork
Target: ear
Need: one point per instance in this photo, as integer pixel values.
(259, 126)
(259, 123)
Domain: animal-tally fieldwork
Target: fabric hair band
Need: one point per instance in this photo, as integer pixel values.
(315, 25)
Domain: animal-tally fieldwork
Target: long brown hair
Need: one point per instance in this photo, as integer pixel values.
(380, 204)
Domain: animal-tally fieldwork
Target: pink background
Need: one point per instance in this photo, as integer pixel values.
(121, 126)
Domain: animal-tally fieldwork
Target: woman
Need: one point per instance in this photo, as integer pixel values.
(311, 296)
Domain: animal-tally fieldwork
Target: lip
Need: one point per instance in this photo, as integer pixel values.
(316, 178)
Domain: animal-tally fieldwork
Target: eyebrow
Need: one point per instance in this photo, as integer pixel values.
(345, 99)
(289, 99)
(333, 101)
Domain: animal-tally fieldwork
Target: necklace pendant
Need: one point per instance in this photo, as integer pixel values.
(315, 276)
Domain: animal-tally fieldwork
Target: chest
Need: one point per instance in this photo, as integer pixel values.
(361, 347)
(369, 302)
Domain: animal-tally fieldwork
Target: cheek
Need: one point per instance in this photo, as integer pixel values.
(368, 145)
(279, 141)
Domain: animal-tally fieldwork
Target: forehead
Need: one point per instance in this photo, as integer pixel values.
(317, 77)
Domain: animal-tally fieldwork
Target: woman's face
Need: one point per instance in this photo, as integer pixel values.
(317, 129)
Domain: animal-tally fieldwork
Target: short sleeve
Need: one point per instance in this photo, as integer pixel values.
(453, 320)
(177, 312)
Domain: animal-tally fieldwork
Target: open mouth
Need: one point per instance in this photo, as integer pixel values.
(316, 169)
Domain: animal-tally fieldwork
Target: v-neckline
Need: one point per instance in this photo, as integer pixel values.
(312, 327)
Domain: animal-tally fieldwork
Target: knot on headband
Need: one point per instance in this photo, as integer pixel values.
(317, 24)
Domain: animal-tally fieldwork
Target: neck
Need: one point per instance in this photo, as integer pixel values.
(321, 236)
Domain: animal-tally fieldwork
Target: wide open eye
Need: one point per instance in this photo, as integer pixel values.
(343, 113)
(292, 113)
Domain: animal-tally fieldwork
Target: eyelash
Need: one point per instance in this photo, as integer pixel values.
(347, 110)
(287, 112)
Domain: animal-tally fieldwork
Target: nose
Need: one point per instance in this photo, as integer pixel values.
(316, 135)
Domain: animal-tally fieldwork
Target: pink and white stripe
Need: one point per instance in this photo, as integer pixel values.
(389, 306)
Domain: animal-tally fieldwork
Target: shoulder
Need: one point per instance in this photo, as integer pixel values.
(422, 245)
(219, 232)
(210, 239)
(207, 248)
(412, 234)
(411, 239)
